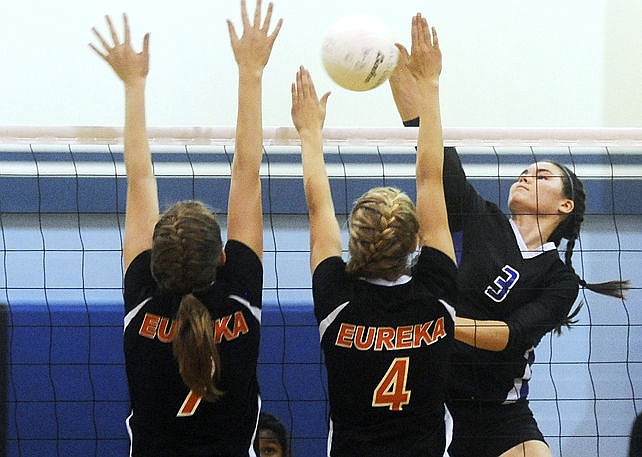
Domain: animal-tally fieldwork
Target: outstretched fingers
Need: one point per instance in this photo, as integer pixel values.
(308, 86)
(146, 45)
(299, 84)
(276, 30)
(112, 31)
(245, 20)
(104, 53)
(129, 65)
(268, 17)
(420, 35)
(126, 27)
(257, 14)
(252, 47)
(232, 31)
(103, 43)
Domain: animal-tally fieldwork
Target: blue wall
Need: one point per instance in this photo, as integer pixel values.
(60, 274)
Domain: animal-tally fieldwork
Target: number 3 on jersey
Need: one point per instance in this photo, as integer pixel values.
(503, 285)
(391, 391)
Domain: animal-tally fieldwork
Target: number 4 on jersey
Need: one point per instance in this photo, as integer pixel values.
(391, 391)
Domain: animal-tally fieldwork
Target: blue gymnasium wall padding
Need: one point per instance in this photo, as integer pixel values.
(67, 387)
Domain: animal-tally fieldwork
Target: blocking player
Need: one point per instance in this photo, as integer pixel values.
(386, 332)
(193, 306)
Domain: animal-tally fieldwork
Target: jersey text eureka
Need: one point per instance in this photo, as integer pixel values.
(229, 327)
(390, 338)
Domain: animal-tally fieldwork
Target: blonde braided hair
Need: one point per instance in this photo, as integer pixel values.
(383, 233)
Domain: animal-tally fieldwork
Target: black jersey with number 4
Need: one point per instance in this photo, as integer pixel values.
(500, 279)
(166, 419)
(386, 347)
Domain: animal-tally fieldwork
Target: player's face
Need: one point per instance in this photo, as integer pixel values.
(539, 190)
(269, 445)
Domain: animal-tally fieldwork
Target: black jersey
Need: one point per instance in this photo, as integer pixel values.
(166, 418)
(386, 348)
(501, 279)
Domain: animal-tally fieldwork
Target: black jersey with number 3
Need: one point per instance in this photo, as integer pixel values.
(500, 279)
(386, 347)
(166, 418)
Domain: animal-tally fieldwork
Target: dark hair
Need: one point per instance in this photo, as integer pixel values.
(269, 422)
(186, 252)
(569, 229)
(383, 233)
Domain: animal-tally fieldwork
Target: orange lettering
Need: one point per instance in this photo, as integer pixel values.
(359, 342)
(240, 326)
(422, 334)
(385, 335)
(439, 331)
(403, 339)
(345, 335)
(149, 326)
(221, 330)
(165, 334)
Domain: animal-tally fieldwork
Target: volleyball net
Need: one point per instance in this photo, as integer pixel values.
(62, 202)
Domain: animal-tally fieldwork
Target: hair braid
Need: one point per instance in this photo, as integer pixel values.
(383, 232)
(569, 229)
(186, 253)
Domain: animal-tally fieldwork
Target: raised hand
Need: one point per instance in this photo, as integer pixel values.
(252, 50)
(425, 58)
(129, 65)
(308, 111)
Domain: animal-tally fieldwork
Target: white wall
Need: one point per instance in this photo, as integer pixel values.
(506, 63)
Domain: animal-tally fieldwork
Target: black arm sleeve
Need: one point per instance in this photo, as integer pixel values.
(243, 272)
(329, 286)
(138, 283)
(530, 322)
(461, 197)
(411, 122)
(459, 193)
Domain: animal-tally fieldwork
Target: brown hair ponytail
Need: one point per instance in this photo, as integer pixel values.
(569, 229)
(195, 350)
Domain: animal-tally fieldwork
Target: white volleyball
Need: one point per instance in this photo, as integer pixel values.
(359, 52)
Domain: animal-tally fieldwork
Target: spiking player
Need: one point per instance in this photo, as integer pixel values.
(513, 289)
(386, 332)
(193, 307)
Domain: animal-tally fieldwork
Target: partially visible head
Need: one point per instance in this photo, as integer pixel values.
(273, 438)
(186, 248)
(383, 233)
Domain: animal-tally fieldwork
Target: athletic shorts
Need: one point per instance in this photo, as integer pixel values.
(484, 429)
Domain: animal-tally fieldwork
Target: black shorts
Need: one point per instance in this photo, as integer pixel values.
(485, 429)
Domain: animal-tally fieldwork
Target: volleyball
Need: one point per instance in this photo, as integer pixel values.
(359, 52)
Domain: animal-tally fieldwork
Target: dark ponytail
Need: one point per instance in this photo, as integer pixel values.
(569, 229)
(195, 350)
